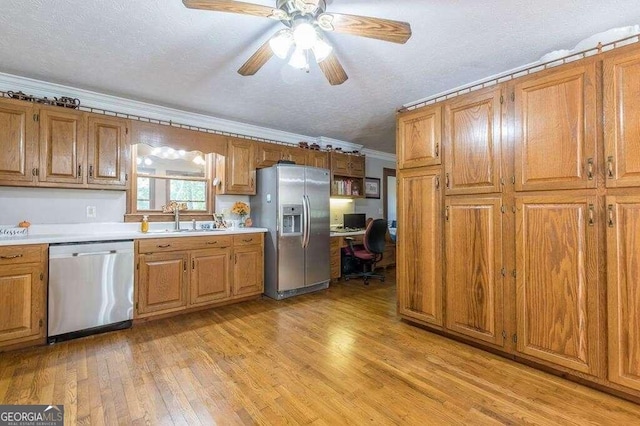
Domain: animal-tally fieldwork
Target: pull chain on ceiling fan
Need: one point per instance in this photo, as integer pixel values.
(306, 22)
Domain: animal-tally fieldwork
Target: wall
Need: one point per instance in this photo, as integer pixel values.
(55, 206)
(373, 207)
(338, 207)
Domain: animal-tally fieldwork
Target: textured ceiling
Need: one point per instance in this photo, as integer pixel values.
(158, 51)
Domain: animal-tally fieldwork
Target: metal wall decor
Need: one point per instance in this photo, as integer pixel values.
(63, 101)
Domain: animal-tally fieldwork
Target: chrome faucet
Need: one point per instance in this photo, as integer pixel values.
(176, 214)
(174, 207)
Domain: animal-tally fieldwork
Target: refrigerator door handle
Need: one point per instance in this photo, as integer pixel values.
(303, 241)
(307, 225)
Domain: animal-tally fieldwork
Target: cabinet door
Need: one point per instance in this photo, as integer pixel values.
(357, 166)
(210, 275)
(473, 283)
(63, 138)
(107, 150)
(241, 173)
(555, 130)
(473, 129)
(317, 159)
(162, 283)
(419, 137)
(557, 280)
(623, 290)
(297, 155)
(334, 248)
(22, 291)
(419, 245)
(268, 154)
(248, 270)
(340, 164)
(622, 119)
(17, 142)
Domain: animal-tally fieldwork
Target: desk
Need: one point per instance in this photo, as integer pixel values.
(338, 241)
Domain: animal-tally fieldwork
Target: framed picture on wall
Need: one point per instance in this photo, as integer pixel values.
(372, 187)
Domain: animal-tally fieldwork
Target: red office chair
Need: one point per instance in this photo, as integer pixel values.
(370, 252)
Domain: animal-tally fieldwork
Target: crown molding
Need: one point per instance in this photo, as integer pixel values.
(386, 156)
(106, 102)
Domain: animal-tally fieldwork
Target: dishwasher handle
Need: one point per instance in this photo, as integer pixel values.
(96, 253)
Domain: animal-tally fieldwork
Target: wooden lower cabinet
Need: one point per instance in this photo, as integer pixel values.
(175, 274)
(23, 294)
(162, 284)
(334, 248)
(473, 261)
(209, 275)
(420, 245)
(557, 280)
(623, 278)
(248, 267)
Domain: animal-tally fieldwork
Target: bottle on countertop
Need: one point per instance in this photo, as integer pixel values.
(144, 226)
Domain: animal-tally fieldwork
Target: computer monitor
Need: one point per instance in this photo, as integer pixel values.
(354, 220)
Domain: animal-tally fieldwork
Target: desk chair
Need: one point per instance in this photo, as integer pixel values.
(370, 252)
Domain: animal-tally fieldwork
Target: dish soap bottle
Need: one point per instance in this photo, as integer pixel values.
(144, 226)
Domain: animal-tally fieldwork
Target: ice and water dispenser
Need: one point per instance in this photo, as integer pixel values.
(291, 219)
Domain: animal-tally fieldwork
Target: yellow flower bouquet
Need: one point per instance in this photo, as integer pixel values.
(240, 208)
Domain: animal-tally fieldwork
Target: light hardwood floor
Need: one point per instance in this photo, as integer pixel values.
(334, 357)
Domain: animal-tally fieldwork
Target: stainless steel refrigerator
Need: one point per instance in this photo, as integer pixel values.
(293, 203)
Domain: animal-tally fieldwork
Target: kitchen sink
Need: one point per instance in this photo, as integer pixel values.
(184, 231)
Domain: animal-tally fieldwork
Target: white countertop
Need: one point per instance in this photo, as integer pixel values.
(75, 233)
(346, 234)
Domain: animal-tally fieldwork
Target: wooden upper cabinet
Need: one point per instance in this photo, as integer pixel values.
(419, 137)
(622, 119)
(107, 150)
(357, 166)
(473, 129)
(419, 246)
(557, 291)
(623, 289)
(555, 129)
(63, 136)
(162, 283)
(237, 171)
(297, 155)
(473, 280)
(318, 159)
(340, 164)
(210, 279)
(17, 142)
(268, 154)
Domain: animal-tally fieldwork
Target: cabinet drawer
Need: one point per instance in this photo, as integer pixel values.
(161, 245)
(12, 255)
(247, 239)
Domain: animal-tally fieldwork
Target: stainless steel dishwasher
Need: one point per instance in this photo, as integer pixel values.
(90, 288)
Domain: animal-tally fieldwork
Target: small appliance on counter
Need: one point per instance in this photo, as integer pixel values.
(293, 203)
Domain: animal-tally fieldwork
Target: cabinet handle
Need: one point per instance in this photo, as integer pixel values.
(446, 180)
(163, 245)
(193, 264)
(610, 167)
(590, 168)
(610, 220)
(437, 150)
(12, 256)
(446, 213)
(437, 182)
(248, 241)
(79, 170)
(591, 213)
(90, 171)
(211, 243)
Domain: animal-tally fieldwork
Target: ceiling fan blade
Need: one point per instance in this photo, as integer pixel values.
(332, 69)
(364, 26)
(237, 7)
(257, 60)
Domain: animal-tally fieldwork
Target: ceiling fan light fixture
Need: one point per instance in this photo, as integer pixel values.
(299, 59)
(305, 35)
(281, 43)
(321, 49)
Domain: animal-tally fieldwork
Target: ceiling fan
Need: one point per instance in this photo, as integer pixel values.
(306, 21)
